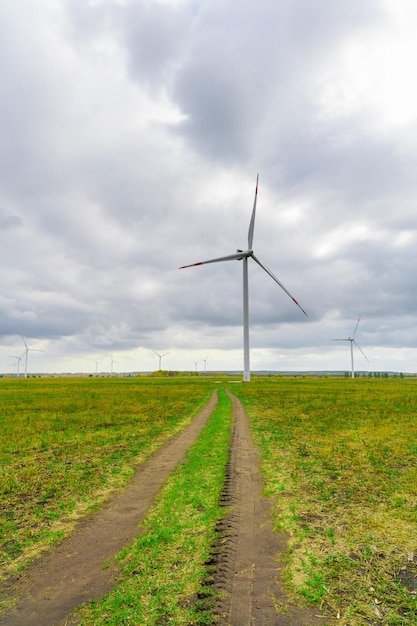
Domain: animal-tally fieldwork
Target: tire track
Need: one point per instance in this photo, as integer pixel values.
(246, 568)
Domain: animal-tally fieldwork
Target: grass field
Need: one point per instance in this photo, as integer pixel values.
(65, 444)
(339, 457)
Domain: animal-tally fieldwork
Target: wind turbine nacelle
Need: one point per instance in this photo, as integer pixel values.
(245, 254)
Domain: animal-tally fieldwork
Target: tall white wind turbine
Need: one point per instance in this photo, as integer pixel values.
(25, 354)
(352, 341)
(160, 358)
(243, 255)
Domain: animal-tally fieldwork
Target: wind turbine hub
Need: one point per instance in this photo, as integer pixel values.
(244, 253)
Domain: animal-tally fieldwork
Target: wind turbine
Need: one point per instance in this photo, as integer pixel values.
(205, 364)
(25, 354)
(160, 358)
(17, 364)
(352, 341)
(111, 364)
(243, 255)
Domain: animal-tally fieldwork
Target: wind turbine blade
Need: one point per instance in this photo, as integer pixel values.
(359, 348)
(26, 345)
(252, 221)
(356, 327)
(347, 339)
(230, 257)
(268, 271)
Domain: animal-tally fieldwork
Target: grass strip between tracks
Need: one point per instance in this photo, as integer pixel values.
(164, 568)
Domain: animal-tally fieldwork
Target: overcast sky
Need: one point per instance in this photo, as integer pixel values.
(132, 132)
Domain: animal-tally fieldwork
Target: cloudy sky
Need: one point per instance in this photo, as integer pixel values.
(132, 132)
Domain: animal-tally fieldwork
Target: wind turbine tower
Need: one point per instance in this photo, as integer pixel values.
(244, 255)
(352, 341)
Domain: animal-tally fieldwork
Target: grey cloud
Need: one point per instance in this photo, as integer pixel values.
(154, 36)
(151, 36)
(253, 64)
(9, 221)
(215, 100)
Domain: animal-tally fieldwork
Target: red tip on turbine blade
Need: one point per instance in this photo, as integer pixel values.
(299, 306)
(192, 265)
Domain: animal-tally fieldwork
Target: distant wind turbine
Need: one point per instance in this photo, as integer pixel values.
(352, 341)
(17, 363)
(243, 255)
(25, 354)
(111, 364)
(160, 358)
(205, 364)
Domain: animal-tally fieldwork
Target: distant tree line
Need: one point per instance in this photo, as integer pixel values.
(374, 375)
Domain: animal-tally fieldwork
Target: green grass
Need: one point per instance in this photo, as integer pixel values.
(67, 444)
(340, 459)
(164, 571)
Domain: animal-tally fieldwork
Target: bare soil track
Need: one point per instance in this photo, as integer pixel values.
(246, 572)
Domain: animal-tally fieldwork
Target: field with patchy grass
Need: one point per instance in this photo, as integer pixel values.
(66, 444)
(340, 459)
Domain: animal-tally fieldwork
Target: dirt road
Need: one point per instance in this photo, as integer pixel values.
(248, 566)
(73, 573)
(247, 571)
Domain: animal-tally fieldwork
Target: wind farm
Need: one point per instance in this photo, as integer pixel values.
(244, 255)
(23, 355)
(270, 462)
